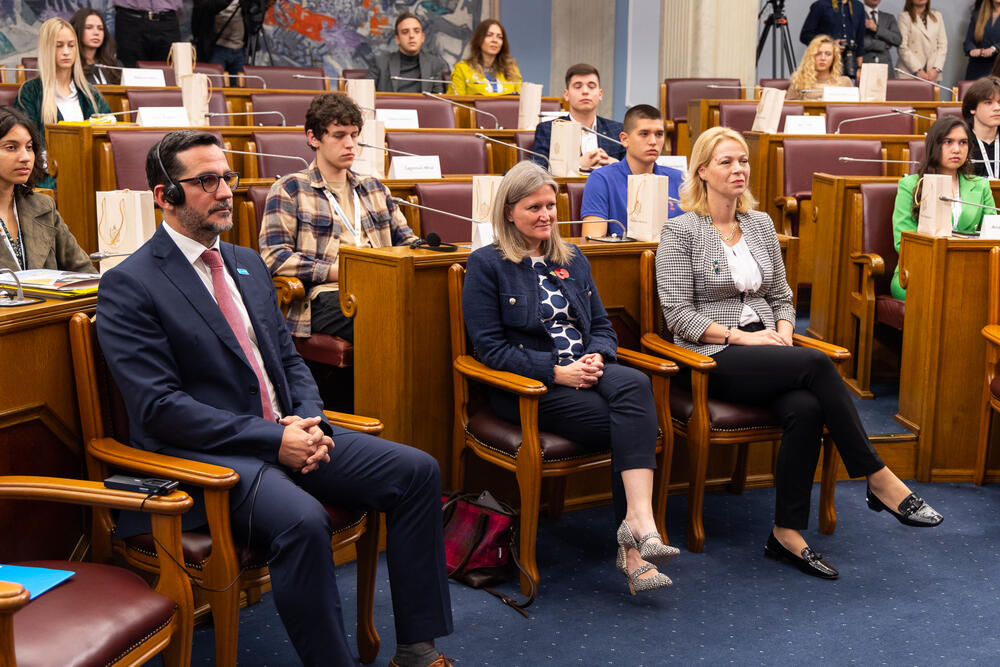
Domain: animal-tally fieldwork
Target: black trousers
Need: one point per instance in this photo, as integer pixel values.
(287, 514)
(804, 390)
(139, 38)
(619, 409)
(328, 318)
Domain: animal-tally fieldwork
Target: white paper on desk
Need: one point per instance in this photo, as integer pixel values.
(805, 124)
(411, 167)
(146, 78)
(841, 94)
(162, 117)
(991, 227)
(398, 119)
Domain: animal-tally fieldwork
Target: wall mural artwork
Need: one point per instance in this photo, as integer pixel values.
(332, 34)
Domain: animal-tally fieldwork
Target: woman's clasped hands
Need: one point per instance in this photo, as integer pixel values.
(582, 373)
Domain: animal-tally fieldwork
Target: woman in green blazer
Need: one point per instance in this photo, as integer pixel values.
(946, 151)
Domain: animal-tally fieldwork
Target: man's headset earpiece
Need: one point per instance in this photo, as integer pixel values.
(172, 192)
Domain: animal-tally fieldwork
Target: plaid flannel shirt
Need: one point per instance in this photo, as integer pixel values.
(300, 233)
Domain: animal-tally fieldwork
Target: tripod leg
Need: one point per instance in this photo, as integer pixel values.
(763, 38)
(786, 46)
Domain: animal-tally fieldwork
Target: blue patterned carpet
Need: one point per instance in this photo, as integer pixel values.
(905, 597)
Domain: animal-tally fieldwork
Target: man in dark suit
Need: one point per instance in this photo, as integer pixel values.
(409, 61)
(194, 337)
(583, 92)
(881, 34)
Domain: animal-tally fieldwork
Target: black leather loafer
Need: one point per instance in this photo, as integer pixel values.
(810, 562)
(913, 511)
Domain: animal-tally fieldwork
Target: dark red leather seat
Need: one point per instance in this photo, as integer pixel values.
(505, 109)
(157, 97)
(354, 74)
(291, 144)
(962, 87)
(284, 78)
(291, 106)
(740, 115)
(917, 149)
(842, 115)
(804, 157)
(459, 153)
(679, 92)
(780, 84)
(453, 197)
(949, 111)
(98, 601)
(8, 96)
(574, 193)
(878, 200)
(525, 140)
(431, 113)
(995, 386)
(129, 148)
(30, 64)
(909, 90)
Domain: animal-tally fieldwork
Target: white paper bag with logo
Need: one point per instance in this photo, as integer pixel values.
(769, 110)
(647, 204)
(125, 221)
(484, 188)
(874, 77)
(935, 215)
(529, 106)
(371, 161)
(196, 91)
(564, 149)
(362, 93)
(182, 56)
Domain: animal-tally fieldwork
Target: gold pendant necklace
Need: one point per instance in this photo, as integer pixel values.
(727, 239)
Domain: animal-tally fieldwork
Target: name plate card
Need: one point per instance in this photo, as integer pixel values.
(145, 78)
(412, 167)
(398, 119)
(678, 162)
(805, 124)
(991, 227)
(841, 94)
(163, 117)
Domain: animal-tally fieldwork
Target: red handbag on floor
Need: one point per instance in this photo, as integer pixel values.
(479, 544)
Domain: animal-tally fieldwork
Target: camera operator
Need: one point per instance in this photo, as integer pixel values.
(844, 20)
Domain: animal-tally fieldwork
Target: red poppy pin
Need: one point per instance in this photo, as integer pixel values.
(562, 274)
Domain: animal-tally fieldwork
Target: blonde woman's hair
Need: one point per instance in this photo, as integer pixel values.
(522, 180)
(694, 191)
(47, 37)
(804, 78)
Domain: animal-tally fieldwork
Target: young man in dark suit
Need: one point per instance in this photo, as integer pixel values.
(410, 61)
(583, 92)
(193, 335)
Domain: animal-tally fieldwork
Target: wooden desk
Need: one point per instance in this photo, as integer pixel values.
(39, 425)
(704, 114)
(402, 353)
(84, 165)
(944, 354)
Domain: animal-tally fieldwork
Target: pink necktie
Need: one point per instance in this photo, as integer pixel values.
(213, 260)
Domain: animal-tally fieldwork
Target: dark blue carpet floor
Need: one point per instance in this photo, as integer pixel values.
(906, 596)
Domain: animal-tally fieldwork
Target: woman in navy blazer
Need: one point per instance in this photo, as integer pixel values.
(531, 308)
(723, 290)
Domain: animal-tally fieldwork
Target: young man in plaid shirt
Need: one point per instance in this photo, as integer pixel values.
(310, 214)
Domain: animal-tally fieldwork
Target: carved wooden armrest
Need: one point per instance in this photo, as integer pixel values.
(95, 494)
(677, 354)
(289, 290)
(669, 126)
(12, 597)
(991, 332)
(836, 353)
(480, 372)
(787, 204)
(186, 471)
(368, 425)
(646, 362)
(872, 263)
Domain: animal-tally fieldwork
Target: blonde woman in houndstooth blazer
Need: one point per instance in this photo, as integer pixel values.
(723, 290)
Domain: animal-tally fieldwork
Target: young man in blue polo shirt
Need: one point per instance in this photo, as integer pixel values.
(607, 188)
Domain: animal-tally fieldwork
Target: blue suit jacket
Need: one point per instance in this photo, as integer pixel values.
(606, 126)
(188, 387)
(500, 304)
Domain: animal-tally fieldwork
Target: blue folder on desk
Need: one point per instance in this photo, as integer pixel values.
(36, 580)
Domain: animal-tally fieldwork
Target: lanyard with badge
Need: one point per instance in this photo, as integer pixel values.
(18, 251)
(356, 227)
(992, 170)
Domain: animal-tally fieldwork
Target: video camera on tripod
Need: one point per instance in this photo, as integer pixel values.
(778, 22)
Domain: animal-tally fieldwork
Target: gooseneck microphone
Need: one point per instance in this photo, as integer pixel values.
(969, 203)
(914, 76)
(98, 256)
(215, 114)
(868, 159)
(894, 112)
(7, 301)
(604, 136)
(388, 150)
(465, 106)
(434, 242)
(278, 155)
(912, 112)
(509, 145)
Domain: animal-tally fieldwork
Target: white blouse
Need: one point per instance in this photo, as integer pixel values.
(746, 275)
(69, 106)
